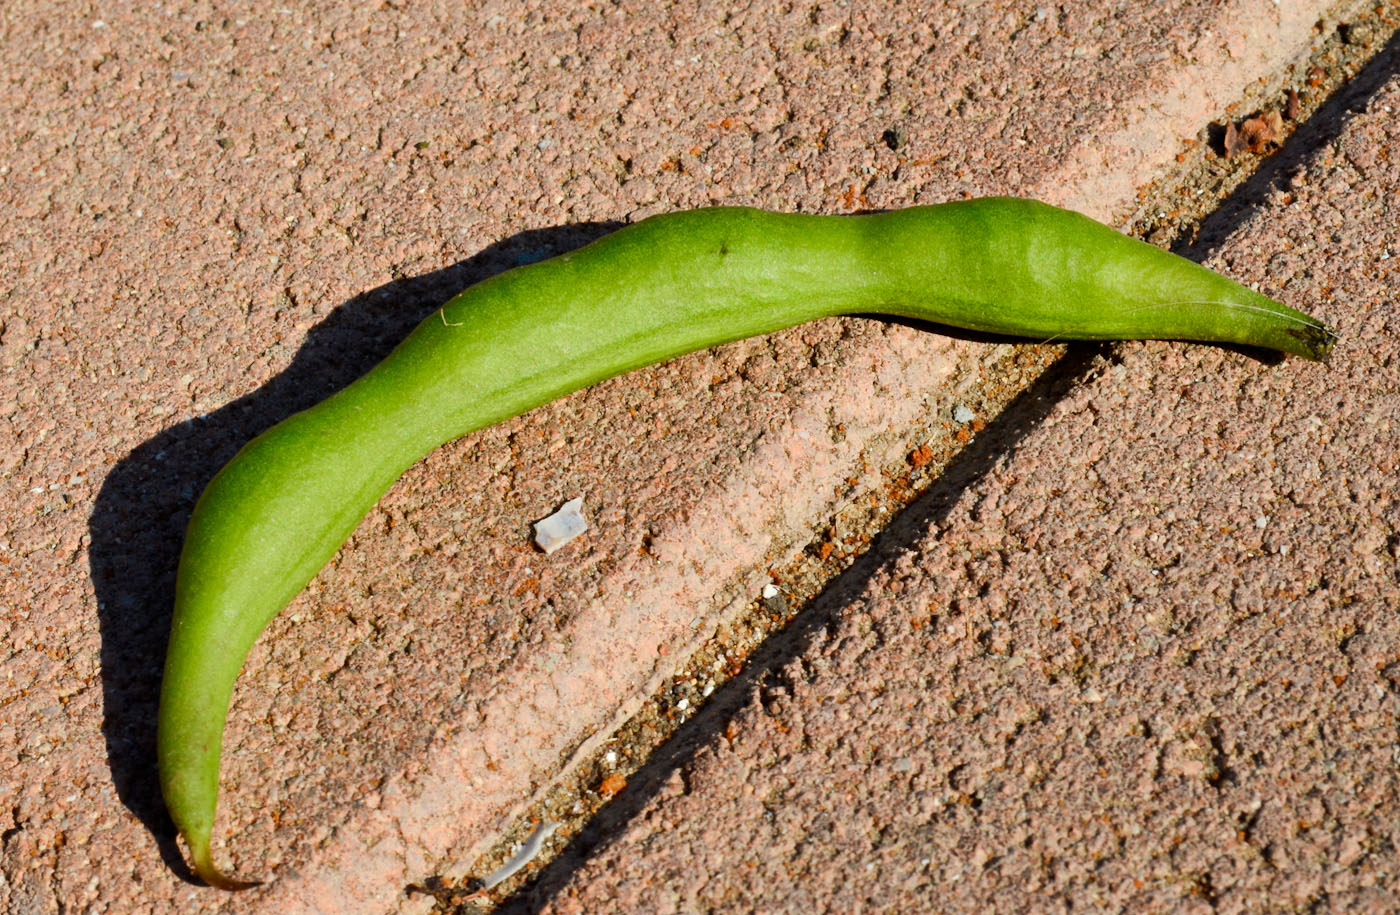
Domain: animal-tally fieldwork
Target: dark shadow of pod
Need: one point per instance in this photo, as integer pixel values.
(142, 509)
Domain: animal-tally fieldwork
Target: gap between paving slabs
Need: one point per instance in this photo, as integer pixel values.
(715, 664)
(1192, 210)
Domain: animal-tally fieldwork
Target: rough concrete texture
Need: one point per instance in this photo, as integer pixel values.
(215, 216)
(1143, 657)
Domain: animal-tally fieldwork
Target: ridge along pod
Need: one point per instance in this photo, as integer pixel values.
(671, 284)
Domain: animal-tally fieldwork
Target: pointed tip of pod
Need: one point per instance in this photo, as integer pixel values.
(207, 871)
(1315, 341)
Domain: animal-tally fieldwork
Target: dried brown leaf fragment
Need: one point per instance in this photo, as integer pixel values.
(1257, 134)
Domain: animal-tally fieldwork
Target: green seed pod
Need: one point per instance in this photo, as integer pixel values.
(668, 285)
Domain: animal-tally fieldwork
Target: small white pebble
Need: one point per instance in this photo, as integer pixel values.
(527, 853)
(709, 688)
(683, 704)
(559, 528)
(962, 414)
(610, 757)
(770, 591)
(1261, 522)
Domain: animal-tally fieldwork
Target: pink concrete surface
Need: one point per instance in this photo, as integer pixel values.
(1144, 657)
(215, 216)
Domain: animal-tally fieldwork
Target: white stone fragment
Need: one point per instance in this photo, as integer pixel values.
(962, 414)
(770, 592)
(559, 528)
(524, 856)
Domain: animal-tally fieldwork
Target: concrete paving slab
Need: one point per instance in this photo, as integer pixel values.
(1142, 657)
(218, 216)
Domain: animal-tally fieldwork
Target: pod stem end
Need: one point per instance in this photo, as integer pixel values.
(207, 871)
(1316, 341)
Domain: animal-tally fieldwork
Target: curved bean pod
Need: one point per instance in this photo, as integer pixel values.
(668, 285)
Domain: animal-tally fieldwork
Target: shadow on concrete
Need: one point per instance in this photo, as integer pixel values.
(998, 439)
(138, 522)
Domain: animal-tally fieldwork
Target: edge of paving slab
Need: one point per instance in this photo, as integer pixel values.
(704, 569)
